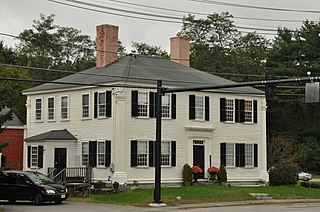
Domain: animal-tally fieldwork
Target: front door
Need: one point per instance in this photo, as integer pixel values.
(60, 158)
(198, 157)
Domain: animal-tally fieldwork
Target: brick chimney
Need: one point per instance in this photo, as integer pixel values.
(180, 50)
(107, 45)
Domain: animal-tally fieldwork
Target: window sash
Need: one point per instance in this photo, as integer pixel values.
(64, 107)
(101, 153)
(199, 107)
(249, 155)
(51, 108)
(102, 104)
(85, 153)
(142, 153)
(166, 106)
(85, 106)
(38, 109)
(230, 154)
(165, 153)
(34, 156)
(143, 104)
(230, 110)
(248, 111)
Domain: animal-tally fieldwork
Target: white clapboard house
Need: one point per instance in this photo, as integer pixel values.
(110, 123)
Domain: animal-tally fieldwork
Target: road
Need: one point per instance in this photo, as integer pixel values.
(92, 207)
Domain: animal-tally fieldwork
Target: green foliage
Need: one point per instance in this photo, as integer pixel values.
(187, 174)
(310, 185)
(146, 49)
(285, 173)
(222, 175)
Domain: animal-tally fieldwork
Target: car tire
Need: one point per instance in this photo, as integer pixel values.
(38, 199)
(58, 201)
(12, 201)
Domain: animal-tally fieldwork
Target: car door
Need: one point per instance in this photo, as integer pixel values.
(8, 187)
(23, 187)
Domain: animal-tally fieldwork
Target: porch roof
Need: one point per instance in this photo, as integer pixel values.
(64, 135)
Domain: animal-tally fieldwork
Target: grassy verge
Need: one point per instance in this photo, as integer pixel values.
(201, 193)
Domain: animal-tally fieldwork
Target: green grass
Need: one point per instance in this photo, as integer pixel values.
(202, 193)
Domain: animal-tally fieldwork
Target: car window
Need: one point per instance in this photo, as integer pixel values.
(43, 178)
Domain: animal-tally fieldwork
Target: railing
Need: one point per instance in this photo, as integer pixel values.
(70, 174)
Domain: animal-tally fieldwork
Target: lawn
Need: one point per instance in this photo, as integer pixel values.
(202, 193)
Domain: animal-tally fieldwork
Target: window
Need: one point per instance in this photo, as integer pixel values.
(229, 110)
(34, 156)
(102, 104)
(199, 107)
(248, 154)
(85, 106)
(101, 153)
(143, 104)
(248, 111)
(142, 153)
(64, 107)
(165, 153)
(239, 154)
(85, 153)
(166, 106)
(51, 108)
(38, 109)
(230, 154)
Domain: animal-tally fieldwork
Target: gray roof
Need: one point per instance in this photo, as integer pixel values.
(14, 122)
(143, 69)
(64, 135)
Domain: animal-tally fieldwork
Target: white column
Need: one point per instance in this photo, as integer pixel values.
(119, 137)
(262, 157)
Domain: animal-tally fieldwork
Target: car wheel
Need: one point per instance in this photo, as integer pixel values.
(38, 199)
(58, 201)
(12, 201)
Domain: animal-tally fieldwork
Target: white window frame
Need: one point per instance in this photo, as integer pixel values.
(230, 113)
(230, 155)
(51, 110)
(85, 154)
(102, 109)
(249, 155)
(38, 109)
(199, 108)
(101, 153)
(248, 114)
(142, 153)
(85, 108)
(65, 114)
(166, 106)
(166, 155)
(143, 104)
(34, 154)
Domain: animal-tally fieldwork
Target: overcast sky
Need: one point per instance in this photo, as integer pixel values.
(17, 15)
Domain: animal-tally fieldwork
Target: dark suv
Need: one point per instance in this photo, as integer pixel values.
(33, 186)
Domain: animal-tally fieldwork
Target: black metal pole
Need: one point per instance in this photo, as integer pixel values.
(157, 189)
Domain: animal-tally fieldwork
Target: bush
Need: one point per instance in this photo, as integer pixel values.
(222, 176)
(305, 184)
(187, 174)
(314, 185)
(285, 173)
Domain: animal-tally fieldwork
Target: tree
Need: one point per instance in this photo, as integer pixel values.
(150, 50)
(218, 47)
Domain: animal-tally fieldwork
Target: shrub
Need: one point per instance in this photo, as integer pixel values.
(305, 184)
(222, 175)
(285, 173)
(314, 185)
(187, 174)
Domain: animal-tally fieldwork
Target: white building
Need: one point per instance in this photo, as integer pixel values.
(106, 119)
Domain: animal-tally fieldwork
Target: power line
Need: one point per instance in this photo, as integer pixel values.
(255, 7)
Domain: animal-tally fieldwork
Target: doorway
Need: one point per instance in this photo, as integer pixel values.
(60, 158)
(198, 155)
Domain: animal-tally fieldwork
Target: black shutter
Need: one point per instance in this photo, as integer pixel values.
(173, 153)
(3, 160)
(192, 107)
(222, 109)
(151, 153)
(108, 103)
(95, 109)
(40, 156)
(255, 111)
(173, 106)
(241, 111)
(134, 152)
(223, 154)
(255, 156)
(134, 103)
(107, 158)
(237, 110)
(29, 157)
(152, 104)
(240, 156)
(207, 110)
(93, 153)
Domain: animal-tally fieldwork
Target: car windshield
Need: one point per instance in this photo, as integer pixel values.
(39, 178)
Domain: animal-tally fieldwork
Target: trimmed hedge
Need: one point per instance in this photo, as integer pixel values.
(310, 185)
